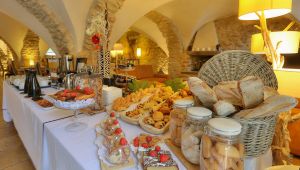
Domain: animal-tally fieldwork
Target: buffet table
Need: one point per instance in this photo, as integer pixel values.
(51, 147)
(29, 119)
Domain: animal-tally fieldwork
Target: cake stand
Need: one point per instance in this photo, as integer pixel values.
(75, 106)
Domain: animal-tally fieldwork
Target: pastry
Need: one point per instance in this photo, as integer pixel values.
(149, 120)
(44, 103)
(159, 124)
(146, 141)
(158, 116)
(158, 160)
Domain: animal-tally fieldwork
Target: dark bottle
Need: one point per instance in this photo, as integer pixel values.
(29, 85)
(26, 81)
(36, 89)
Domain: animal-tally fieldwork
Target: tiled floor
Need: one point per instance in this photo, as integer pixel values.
(13, 155)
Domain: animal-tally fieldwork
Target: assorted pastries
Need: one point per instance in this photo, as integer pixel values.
(160, 118)
(146, 141)
(122, 103)
(44, 103)
(74, 94)
(158, 159)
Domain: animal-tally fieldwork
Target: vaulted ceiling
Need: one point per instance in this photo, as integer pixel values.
(69, 18)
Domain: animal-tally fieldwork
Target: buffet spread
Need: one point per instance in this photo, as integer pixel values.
(210, 125)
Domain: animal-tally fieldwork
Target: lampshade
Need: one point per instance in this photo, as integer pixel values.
(50, 52)
(31, 62)
(289, 42)
(138, 52)
(271, 8)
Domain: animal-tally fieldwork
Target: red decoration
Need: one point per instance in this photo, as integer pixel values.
(96, 39)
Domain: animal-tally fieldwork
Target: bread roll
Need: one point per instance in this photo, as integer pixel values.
(206, 146)
(200, 89)
(252, 90)
(269, 91)
(228, 91)
(223, 108)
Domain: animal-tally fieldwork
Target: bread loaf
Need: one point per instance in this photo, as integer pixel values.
(223, 108)
(269, 91)
(200, 89)
(228, 91)
(272, 105)
(252, 91)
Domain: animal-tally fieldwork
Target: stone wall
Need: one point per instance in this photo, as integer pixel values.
(30, 50)
(152, 54)
(235, 34)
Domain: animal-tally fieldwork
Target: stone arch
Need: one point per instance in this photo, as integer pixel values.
(4, 57)
(14, 54)
(177, 57)
(61, 37)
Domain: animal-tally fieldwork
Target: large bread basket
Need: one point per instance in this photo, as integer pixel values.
(234, 65)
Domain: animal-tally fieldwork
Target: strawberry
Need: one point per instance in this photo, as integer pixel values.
(136, 142)
(77, 87)
(145, 145)
(67, 91)
(88, 91)
(123, 141)
(164, 158)
(118, 131)
(64, 94)
(148, 139)
(115, 122)
(157, 148)
(112, 114)
(73, 94)
(153, 153)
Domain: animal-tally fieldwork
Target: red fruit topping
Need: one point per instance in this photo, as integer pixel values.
(157, 148)
(115, 122)
(148, 139)
(67, 91)
(145, 145)
(123, 141)
(78, 87)
(64, 94)
(153, 153)
(73, 94)
(112, 114)
(164, 158)
(136, 142)
(88, 90)
(118, 131)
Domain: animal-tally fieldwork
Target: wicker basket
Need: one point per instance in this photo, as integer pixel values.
(234, 65)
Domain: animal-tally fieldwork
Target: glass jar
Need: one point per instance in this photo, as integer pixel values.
(221, 147)
(120, 153)
(178, 115)
(192, 131)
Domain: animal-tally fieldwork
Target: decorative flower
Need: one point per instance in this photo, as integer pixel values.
(96, 39)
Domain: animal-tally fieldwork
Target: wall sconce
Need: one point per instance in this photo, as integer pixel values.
(138, 52)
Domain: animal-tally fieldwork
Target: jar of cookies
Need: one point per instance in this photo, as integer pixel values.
(192, 131)
(178, 115)
(221, 147)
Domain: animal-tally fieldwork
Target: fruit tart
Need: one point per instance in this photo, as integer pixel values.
(146, 141)
(158, 160)
(74, 94)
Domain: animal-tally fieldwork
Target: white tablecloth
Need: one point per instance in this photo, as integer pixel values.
(76, 150)
(29, 119)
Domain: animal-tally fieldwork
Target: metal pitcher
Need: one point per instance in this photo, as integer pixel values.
(69, 81)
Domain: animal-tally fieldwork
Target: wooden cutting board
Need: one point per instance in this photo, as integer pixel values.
(177, 151)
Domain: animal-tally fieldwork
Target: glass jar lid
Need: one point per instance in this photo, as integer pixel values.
(183, 103)
(225, 126)
(199, 113)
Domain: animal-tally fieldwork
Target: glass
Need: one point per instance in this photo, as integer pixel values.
(76, 125)
(178, 115)
(192, 131)
(221, 151)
